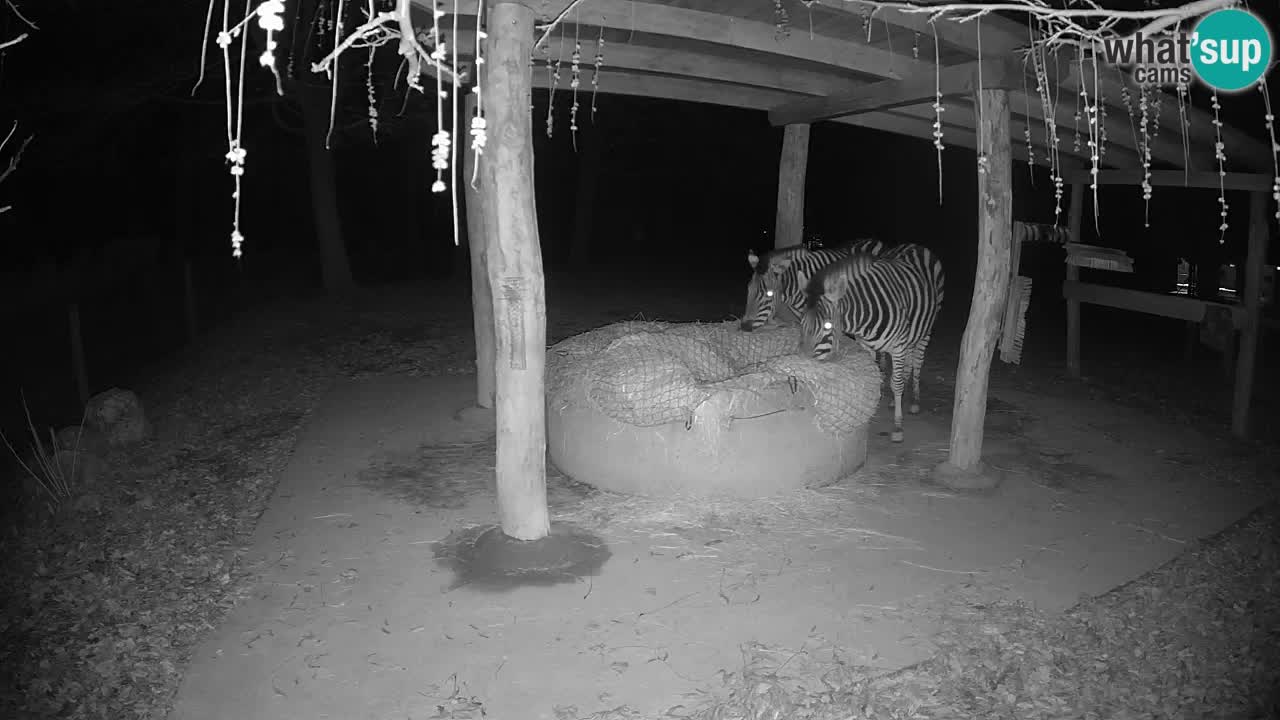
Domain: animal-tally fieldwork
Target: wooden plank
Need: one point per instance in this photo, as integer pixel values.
(750, 69)
(1247, 359)
(643, 17)
(78, 364)
(792, 167)
(481, 292)
(991, 282)
(735, 76)
(1178, 307)
(999, 36)
(1075, 219)
(694, 90)
(515, 274)
(1178, 178)
(996, 73)
(964, 116)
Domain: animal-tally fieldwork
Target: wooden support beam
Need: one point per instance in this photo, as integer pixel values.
(1247, 359)
(78, 364)
(481, 292)
(792, 168)
(991, 281)
(996, 73)
(999, 35)
(640, 18)
(694, 90)
(1177, 178)
(1075, 219)
(515, 275)
(1178, 307)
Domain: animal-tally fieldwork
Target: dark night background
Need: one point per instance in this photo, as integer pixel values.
(124, 154)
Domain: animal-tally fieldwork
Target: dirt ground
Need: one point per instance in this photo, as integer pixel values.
(286, 547)
(358, 611)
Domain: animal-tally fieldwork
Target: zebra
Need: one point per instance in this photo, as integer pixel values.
(888, 303)
(782, 274)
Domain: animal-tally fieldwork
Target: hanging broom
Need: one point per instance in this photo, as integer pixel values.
(1014, 329)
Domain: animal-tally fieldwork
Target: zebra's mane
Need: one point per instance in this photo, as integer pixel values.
(780, 259)
(839, 273)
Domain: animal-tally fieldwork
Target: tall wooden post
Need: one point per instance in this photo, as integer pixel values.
(990, 285)
(78, 365)
(477, 234)
(1075, 216)
(515, 274)
(1247, 357)
(792, 168)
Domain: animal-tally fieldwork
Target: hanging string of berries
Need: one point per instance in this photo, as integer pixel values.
(1220, 152)
(595, 75)
(575, 79)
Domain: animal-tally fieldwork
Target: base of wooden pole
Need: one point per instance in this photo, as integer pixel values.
(476, 422)
(983, 477)
(489, 559)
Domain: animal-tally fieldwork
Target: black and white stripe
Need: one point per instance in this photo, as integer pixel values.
(887, 303)
(780, 276)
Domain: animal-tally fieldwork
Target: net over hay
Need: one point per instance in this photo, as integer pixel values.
(659, 408)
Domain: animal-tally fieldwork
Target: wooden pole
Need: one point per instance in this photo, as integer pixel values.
(77, 353)
(1075, 217)
(515, 274)
(481, 292)
(792, 167)
(1247, 357)
(991, 280)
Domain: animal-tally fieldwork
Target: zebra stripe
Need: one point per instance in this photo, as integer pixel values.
(782, 275)
(887, 303)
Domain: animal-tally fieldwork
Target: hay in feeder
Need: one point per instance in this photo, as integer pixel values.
(651, 373)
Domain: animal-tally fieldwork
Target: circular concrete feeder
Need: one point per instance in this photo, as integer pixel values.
(744, 443)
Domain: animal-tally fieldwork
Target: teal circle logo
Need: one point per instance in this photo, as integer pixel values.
(1231, 49)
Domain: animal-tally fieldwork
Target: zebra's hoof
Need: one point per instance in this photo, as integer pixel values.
(896, 436)
(914, 409)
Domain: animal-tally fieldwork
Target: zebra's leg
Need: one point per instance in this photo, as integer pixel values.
(917, 363)
(897, 381)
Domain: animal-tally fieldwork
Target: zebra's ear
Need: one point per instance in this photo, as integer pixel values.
(752, 259)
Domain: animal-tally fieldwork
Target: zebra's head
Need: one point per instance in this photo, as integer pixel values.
(763, 290)
(822, 323)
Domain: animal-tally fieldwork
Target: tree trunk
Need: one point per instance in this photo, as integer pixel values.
(334, 265)
(515, 274)
(991, 280)
(1247, 359)
(481, 292)
(1075, 219)
(792, 167)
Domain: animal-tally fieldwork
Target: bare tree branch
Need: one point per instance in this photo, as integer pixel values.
(15, 41)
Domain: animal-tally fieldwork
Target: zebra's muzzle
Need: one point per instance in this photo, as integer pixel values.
(823, 347)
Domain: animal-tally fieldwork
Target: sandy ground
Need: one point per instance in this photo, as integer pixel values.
(357, 615)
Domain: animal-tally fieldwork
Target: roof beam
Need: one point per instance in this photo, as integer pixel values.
(996, 73)
(690, 90)
(999, 35)
(1178, 178)
(672, 21)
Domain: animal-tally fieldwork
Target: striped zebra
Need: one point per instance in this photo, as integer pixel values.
(781, 275)
(887, 303)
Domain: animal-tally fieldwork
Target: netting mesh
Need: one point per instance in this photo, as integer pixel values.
(653, 373)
